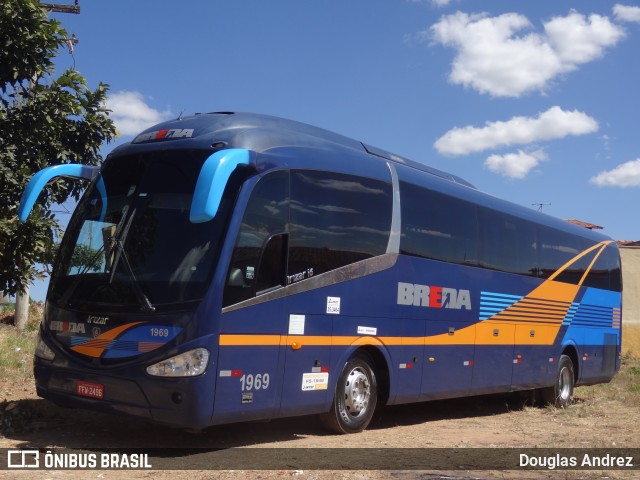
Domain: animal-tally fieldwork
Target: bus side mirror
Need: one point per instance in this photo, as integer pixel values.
(40, 180)
(212, 180)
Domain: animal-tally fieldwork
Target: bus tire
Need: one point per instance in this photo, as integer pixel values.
(561, 393)
(355, 397)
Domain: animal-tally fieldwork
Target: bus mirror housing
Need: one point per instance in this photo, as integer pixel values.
(44, 176)
(212, 180)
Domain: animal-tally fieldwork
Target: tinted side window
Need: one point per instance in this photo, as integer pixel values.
(606, 273)
(612, 257)
(599, 274)
(265, 218)
(437, 226)
(507, 243)
(336, 220)
(556, 249)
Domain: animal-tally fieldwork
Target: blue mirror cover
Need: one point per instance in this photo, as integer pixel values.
(212, 180)
(44, 176)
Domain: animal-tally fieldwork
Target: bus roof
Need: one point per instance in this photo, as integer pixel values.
(262, 133)
(259, 133)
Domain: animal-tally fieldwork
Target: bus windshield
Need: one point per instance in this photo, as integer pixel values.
(130, 246)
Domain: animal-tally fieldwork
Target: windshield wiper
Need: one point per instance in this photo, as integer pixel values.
(118, 246)
(64, 299)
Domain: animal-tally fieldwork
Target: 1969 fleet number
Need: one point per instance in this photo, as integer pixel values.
(250, 382)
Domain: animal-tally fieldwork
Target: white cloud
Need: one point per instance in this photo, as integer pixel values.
(626, 14)
(577, 40)
(624, 175)
(515, 165)
(131, 114)
(553, 124)
(492, 58)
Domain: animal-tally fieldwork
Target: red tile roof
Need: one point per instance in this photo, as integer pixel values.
(580, 223)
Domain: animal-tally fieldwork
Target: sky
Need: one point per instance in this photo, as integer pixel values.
(535, 102)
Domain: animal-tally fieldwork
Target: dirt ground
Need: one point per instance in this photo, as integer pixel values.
(489, 421)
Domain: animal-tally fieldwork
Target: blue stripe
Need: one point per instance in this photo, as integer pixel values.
(492, 303)
(568, 318)
(514, 298)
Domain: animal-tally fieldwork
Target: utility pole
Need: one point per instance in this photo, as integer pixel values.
(62, 8)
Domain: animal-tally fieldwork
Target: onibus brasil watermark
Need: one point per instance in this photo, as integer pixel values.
(241, 458)
(26, 459)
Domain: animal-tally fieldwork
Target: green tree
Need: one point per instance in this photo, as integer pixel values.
(85, 257)
(45, 119)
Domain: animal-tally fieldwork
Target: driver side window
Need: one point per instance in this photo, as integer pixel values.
(259, 256)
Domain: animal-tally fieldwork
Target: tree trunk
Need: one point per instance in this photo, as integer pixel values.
(22, 309)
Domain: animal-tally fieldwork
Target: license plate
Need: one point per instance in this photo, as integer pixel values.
(91, 390)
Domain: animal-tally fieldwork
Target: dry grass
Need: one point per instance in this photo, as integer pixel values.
(17, 348)
(623, 390)
(16, 354)
(36, 312)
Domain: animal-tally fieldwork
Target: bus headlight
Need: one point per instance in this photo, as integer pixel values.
(188, 364)
(42, 349)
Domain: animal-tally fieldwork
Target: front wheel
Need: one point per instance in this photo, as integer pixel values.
(355, 397)
(561, 394)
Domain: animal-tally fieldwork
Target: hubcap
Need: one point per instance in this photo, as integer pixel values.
(357, 392)
(564, 384)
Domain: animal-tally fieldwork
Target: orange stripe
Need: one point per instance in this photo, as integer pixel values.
(543, 335)
(464, 336)
(554, 298)
(149, 346)
(515, 315)
(586, 272)
(578, 257)
(96, 346)
(231, 340)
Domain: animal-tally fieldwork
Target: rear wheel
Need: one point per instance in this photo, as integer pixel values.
(355, 397)
(561, 393)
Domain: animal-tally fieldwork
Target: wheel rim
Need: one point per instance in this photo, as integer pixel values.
(357, 392)
(565, 381)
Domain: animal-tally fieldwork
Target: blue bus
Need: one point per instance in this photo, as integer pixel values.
(229, 267)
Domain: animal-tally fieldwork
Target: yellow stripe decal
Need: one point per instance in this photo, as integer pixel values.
(533, 320)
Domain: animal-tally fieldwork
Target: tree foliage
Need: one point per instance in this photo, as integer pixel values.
(45, 120)
(86, 258)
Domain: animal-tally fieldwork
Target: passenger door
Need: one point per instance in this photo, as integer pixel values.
(250, 361)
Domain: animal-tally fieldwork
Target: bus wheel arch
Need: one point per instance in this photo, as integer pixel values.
(571, 352)
(381, 368)
(361, 385)
(560, 394)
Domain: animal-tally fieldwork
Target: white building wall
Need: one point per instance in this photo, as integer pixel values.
(631, 284)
